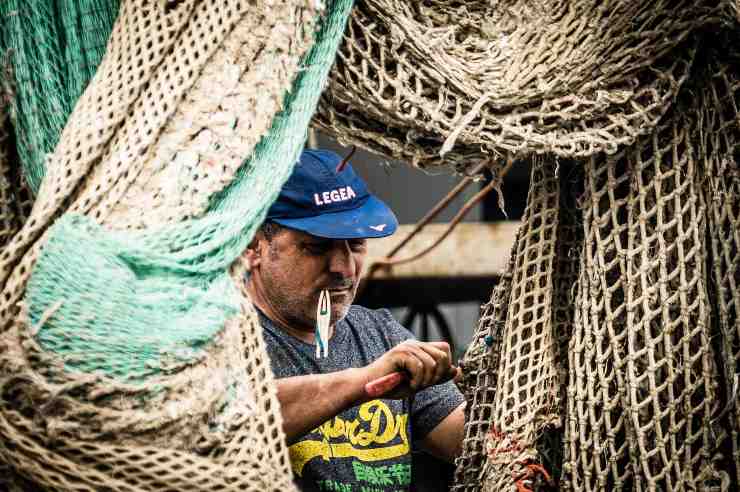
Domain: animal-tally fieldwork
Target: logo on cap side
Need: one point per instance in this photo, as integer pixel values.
(378, 227)
(337, 195)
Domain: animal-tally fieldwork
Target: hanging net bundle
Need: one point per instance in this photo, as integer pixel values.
(607, 358)
(454, 83)
(129, 357)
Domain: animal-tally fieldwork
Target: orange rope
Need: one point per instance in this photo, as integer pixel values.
(532, 470)
(525, 480)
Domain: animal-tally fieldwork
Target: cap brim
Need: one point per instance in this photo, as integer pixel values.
(372, 219)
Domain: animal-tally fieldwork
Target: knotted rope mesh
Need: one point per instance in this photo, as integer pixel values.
(185, 407)
(643, 328)
(449, 82)
(720, 139)
(607, 357)
(54, 48)
(635, 366)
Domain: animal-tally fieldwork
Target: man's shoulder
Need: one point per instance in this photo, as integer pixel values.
(380, 321)
(370, 317)
(374, 330)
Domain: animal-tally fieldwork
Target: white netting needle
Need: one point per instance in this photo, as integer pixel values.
(323, 318)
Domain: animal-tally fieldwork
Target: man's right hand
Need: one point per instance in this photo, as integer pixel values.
(422, 364)
(310, 400)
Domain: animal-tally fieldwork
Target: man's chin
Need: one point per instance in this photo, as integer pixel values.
(339, 312)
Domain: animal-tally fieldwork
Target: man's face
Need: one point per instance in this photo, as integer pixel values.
(294, 268)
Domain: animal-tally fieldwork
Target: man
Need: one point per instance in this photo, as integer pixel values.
(341, 437)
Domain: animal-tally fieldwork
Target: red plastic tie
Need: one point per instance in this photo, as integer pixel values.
(345, 161)
(532, 470)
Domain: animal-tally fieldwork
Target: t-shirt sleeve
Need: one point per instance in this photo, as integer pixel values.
(431, 405)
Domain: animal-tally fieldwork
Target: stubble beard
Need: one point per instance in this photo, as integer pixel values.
(295, 308)
(339, 312)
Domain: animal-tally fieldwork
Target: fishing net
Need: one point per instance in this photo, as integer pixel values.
(15, 198)
(611, 361)
(456, 83)
(721, 137)
(648, 415)
(129, 357)
(607, 358)
(54, 47)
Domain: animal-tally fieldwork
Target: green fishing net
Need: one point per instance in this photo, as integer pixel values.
(51, 49)
(132, 304)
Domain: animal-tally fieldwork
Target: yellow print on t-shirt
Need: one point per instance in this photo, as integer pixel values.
(366, 438)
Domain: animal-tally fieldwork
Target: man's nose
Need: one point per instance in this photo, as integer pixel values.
(341, 261)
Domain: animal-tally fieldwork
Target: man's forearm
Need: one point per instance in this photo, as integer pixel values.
(308, 401)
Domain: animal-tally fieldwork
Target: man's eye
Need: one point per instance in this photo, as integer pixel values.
(317, 248)
(358, 245)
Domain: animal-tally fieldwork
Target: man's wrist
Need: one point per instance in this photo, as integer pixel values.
(358, 377)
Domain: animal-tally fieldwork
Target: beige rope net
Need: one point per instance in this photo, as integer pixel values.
(721, 136)
(643, 380)
(462, 80)
(215, 425)
(646, 396)
(607, 358)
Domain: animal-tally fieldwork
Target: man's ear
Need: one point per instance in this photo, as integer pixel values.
(253, 253)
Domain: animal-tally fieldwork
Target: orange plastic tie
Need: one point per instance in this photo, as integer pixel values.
(532, 470)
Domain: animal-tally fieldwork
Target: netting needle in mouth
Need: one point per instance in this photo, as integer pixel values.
(323, 318)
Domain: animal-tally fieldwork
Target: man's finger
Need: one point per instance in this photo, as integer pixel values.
(435, 359)
(419, 365)
(443, 346)
(442, 359)
(428, 367)
(458, 375)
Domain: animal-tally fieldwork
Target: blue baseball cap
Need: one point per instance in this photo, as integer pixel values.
(328, 202)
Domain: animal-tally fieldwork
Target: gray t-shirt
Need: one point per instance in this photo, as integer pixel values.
(366, 448)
